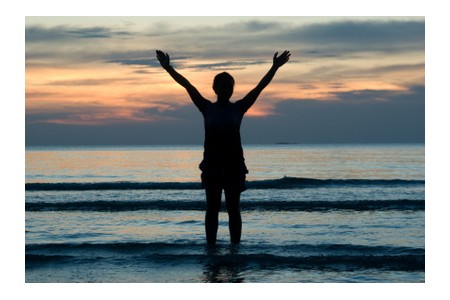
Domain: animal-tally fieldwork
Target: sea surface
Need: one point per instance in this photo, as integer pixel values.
(311, 213)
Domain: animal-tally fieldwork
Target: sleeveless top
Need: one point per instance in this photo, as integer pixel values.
(223, 151)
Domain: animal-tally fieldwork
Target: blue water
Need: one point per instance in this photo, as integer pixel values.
(312, 213)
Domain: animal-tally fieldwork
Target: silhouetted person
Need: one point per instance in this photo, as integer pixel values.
(223, 166)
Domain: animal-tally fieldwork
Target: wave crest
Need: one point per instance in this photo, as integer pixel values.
(322, 206)
(281, 183)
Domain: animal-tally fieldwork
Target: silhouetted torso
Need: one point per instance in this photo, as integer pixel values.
(222, 147)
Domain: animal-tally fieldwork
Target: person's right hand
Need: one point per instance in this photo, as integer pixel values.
(163, 58)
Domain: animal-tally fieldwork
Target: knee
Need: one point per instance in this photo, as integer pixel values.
(233, 203)
(213, 201)
(213, 208)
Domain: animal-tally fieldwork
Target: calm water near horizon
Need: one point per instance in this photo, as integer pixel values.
(312, 213)
(147, 163)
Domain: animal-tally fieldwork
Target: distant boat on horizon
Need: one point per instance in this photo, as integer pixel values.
(286, 143)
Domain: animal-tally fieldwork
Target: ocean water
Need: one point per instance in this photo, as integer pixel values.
(311, 213)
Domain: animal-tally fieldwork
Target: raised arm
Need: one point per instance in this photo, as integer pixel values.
(196, 97)
(251, 97)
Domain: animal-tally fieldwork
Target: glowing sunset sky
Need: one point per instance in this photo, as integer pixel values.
(96, 80)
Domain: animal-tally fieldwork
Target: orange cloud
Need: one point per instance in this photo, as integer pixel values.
(101, 93)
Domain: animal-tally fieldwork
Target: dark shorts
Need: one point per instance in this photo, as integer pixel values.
(224, 178)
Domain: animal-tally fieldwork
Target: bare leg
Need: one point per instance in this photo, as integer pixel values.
(213, 200)
(233, 198)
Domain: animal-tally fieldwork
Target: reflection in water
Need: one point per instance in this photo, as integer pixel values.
(223, 265)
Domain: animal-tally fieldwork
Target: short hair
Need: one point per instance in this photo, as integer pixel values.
(222, 79)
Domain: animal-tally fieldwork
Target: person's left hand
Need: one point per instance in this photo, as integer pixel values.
(278, 61)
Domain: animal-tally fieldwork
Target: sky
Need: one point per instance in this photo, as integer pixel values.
(96, 80)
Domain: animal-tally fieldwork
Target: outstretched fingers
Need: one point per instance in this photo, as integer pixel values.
(286, 54)
(282, 59)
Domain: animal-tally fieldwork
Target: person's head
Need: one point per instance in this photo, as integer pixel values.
(223, 85)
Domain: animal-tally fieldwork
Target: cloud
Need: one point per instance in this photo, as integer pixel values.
(65, 45)
(149, 62)
(228, 65)
(364, 116)
(319, 40)
(325, 55)
(170, 111)
(138, 110)
(359, 36)
(254, 26)
(180, 62)
(58, 33)
(182, 125)
(144, 59)
(67, 113)
(336, 70)
(253, 41)
(357, 116)
(93, 81)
